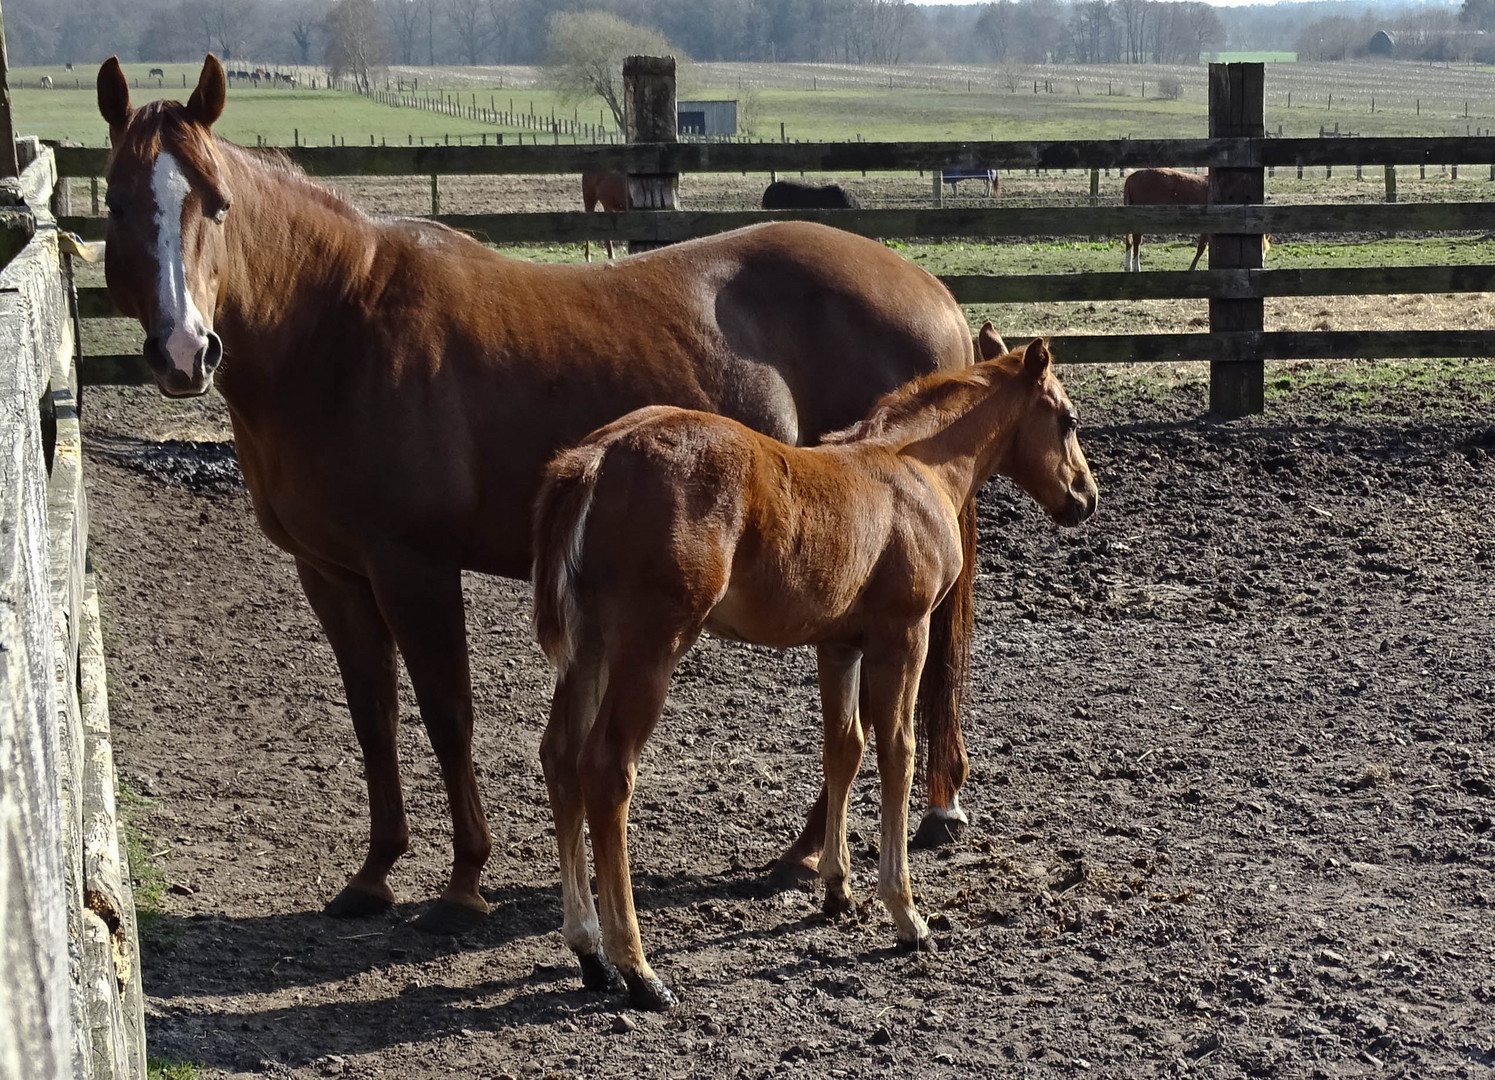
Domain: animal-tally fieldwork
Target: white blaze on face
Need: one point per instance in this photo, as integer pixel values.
(184, 331)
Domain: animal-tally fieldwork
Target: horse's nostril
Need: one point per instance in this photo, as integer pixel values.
(211, 353)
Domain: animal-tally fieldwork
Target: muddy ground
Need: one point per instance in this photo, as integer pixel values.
(1232, 786)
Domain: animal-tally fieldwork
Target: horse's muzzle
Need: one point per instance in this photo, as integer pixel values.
(171, 379)
(1079, 505)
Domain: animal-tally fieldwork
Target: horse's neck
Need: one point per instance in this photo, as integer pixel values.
(291, 254)
(964, 452)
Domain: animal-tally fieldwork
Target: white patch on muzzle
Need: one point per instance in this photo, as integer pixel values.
(185, 333)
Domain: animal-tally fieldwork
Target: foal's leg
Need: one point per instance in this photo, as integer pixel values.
(890, 668)
(637, 682)
(1203, 243)
(839, 673)
(578, 693)
(422, 603)
(344, 604)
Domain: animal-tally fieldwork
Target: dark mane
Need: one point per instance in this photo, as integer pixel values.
(934, 399)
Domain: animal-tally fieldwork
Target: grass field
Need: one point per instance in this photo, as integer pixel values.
(834, 102)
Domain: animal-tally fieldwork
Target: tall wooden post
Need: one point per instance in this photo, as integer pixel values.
(649, 116)
(10, 165)
(1237, 108)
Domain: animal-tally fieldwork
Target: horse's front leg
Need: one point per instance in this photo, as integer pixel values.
(839, 670)
(344, 604)
(1199, 250)
(578, 694)
(890, 667)
(422, 603)
(631, 705)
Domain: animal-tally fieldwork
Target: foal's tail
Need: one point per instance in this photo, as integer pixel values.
(560, 530)
(942, 687)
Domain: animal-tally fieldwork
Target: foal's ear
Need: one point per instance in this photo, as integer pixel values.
(1036, 359)
(114, 95)
(206, 103)
(989, 344)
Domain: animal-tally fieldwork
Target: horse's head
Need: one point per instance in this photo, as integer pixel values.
(167, 202)
(1045, 458)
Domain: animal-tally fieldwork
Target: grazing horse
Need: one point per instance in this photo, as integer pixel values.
(611, 190)
(988, 178)
(671, 522)
(155, 73)
(1165, 187)
(396, 390)
(798, 195)
(46, 82)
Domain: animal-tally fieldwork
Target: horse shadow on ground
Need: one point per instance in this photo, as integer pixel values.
(275, 954)
(270, 953)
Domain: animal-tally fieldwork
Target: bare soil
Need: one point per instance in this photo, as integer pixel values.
(1232, 792)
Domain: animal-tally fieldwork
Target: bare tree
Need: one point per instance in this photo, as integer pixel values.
(468, 20)
(404, 19)
(586, 52)
(355, 41)
(993, 26)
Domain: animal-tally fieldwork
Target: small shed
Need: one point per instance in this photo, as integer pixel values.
(707, 117)
(1381, 44)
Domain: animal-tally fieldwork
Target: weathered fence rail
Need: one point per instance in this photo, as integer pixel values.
(1237, 91)
(70, 997)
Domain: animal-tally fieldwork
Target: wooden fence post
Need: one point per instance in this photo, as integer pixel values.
(650, 116)
(1391, 183)
(1237, 108)
(10, 165)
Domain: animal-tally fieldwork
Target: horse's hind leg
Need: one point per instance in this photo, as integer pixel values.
(890, 669)
(1198, 251)
(638, 678)
(839, 670)
(422, 603)
(578, 694)
(344, 604)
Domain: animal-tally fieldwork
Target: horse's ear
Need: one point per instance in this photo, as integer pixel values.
(206, 103)
(1036, 359)
(989, 343)
(114, 95)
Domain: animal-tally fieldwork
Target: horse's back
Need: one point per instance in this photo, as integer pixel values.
(1173, 187)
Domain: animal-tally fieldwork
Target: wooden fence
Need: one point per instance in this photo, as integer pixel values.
(1238, 153)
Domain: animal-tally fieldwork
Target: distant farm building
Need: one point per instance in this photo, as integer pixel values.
(1382, 44)
(707, 117)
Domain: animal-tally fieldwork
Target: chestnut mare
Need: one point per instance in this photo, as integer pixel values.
(1165, 187)
(669, 522)
(611, 190)
(396, 390)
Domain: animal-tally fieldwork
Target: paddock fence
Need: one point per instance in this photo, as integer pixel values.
(70, 995)
(1237, 152)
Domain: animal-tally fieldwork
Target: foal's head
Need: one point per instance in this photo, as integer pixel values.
(1045, 459)
(167, 205)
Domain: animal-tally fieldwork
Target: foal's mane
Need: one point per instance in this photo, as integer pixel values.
(927, 404)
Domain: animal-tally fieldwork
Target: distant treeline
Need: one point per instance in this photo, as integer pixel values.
(835, 31)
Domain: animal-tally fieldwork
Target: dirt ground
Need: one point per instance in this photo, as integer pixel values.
(1232, 788)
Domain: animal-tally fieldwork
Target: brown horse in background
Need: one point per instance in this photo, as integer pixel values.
(670, 522)
(611, 190)
(1165, 187)
(396, 390)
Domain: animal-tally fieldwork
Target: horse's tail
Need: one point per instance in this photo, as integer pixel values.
(942, 686)
(560, 534)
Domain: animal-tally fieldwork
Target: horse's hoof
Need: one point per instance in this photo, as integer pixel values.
(924, 944)
(354, 903)
(598, 975)
(837, 904)
(939, 829)
(786, 874)
(650, 993)
(446, 918)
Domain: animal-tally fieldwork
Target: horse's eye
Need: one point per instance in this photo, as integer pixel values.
(1071, 423)
(219, 212)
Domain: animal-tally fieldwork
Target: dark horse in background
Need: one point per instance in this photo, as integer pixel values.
(396, 390)
(798, 195)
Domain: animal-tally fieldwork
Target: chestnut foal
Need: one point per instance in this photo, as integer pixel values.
(669, 522)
